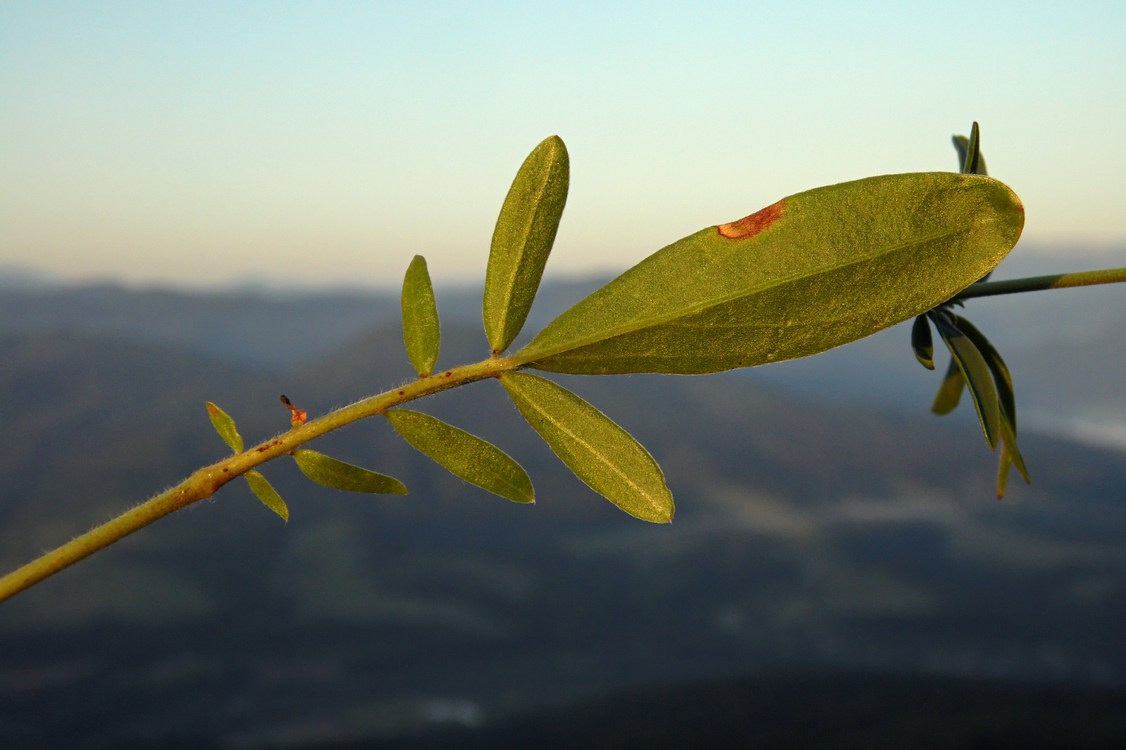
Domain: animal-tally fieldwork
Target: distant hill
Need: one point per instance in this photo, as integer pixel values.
(1043, 336)
(806, 536)
(810, 535)
(24, 278)
(800, 711)
(256, 328)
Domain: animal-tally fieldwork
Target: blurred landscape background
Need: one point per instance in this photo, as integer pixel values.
(838, 573)
(216, 201)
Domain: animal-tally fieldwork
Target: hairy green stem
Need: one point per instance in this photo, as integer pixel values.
(1040, 283)
(205, 482)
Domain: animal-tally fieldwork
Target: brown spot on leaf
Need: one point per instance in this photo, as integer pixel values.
(751, 225)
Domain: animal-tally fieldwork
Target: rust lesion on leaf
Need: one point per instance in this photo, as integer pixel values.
(751, 225)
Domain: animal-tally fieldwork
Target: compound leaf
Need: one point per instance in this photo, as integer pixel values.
(978, 378)
(422, 332)
(922, 341)
(970, 160)
(1010, 457)
(267, 494)
(950, 392)
(225, 426)
(338, 475)
(997, 367)
(522, 240)
(811, 272)
(464, 455)
(600, 453)
(1002, 379)
(969, 154)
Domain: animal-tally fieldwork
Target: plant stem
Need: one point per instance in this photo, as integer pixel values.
(1040, 283)
(205, 482)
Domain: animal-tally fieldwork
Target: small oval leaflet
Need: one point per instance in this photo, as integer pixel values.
(267, 494)
(422, 333)
(464, 455)
(522, 240)
(225, 426)
(599, 452)
(330, 472)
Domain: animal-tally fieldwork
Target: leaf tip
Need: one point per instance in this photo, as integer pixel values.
(224, 424)
(555, 144)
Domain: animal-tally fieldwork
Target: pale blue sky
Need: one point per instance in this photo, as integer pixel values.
(197, 142)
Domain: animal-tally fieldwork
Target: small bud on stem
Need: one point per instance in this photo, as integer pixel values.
(297, 416)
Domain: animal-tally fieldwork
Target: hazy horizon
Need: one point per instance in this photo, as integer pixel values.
(1025, 259)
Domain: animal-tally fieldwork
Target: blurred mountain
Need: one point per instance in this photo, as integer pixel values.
(24, 278)
(810, 535)
(796, 711)
(1042, 336)
(256, 328)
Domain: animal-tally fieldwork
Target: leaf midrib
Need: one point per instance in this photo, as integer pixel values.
(657, 320)
(561, 426)
(515, 268)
